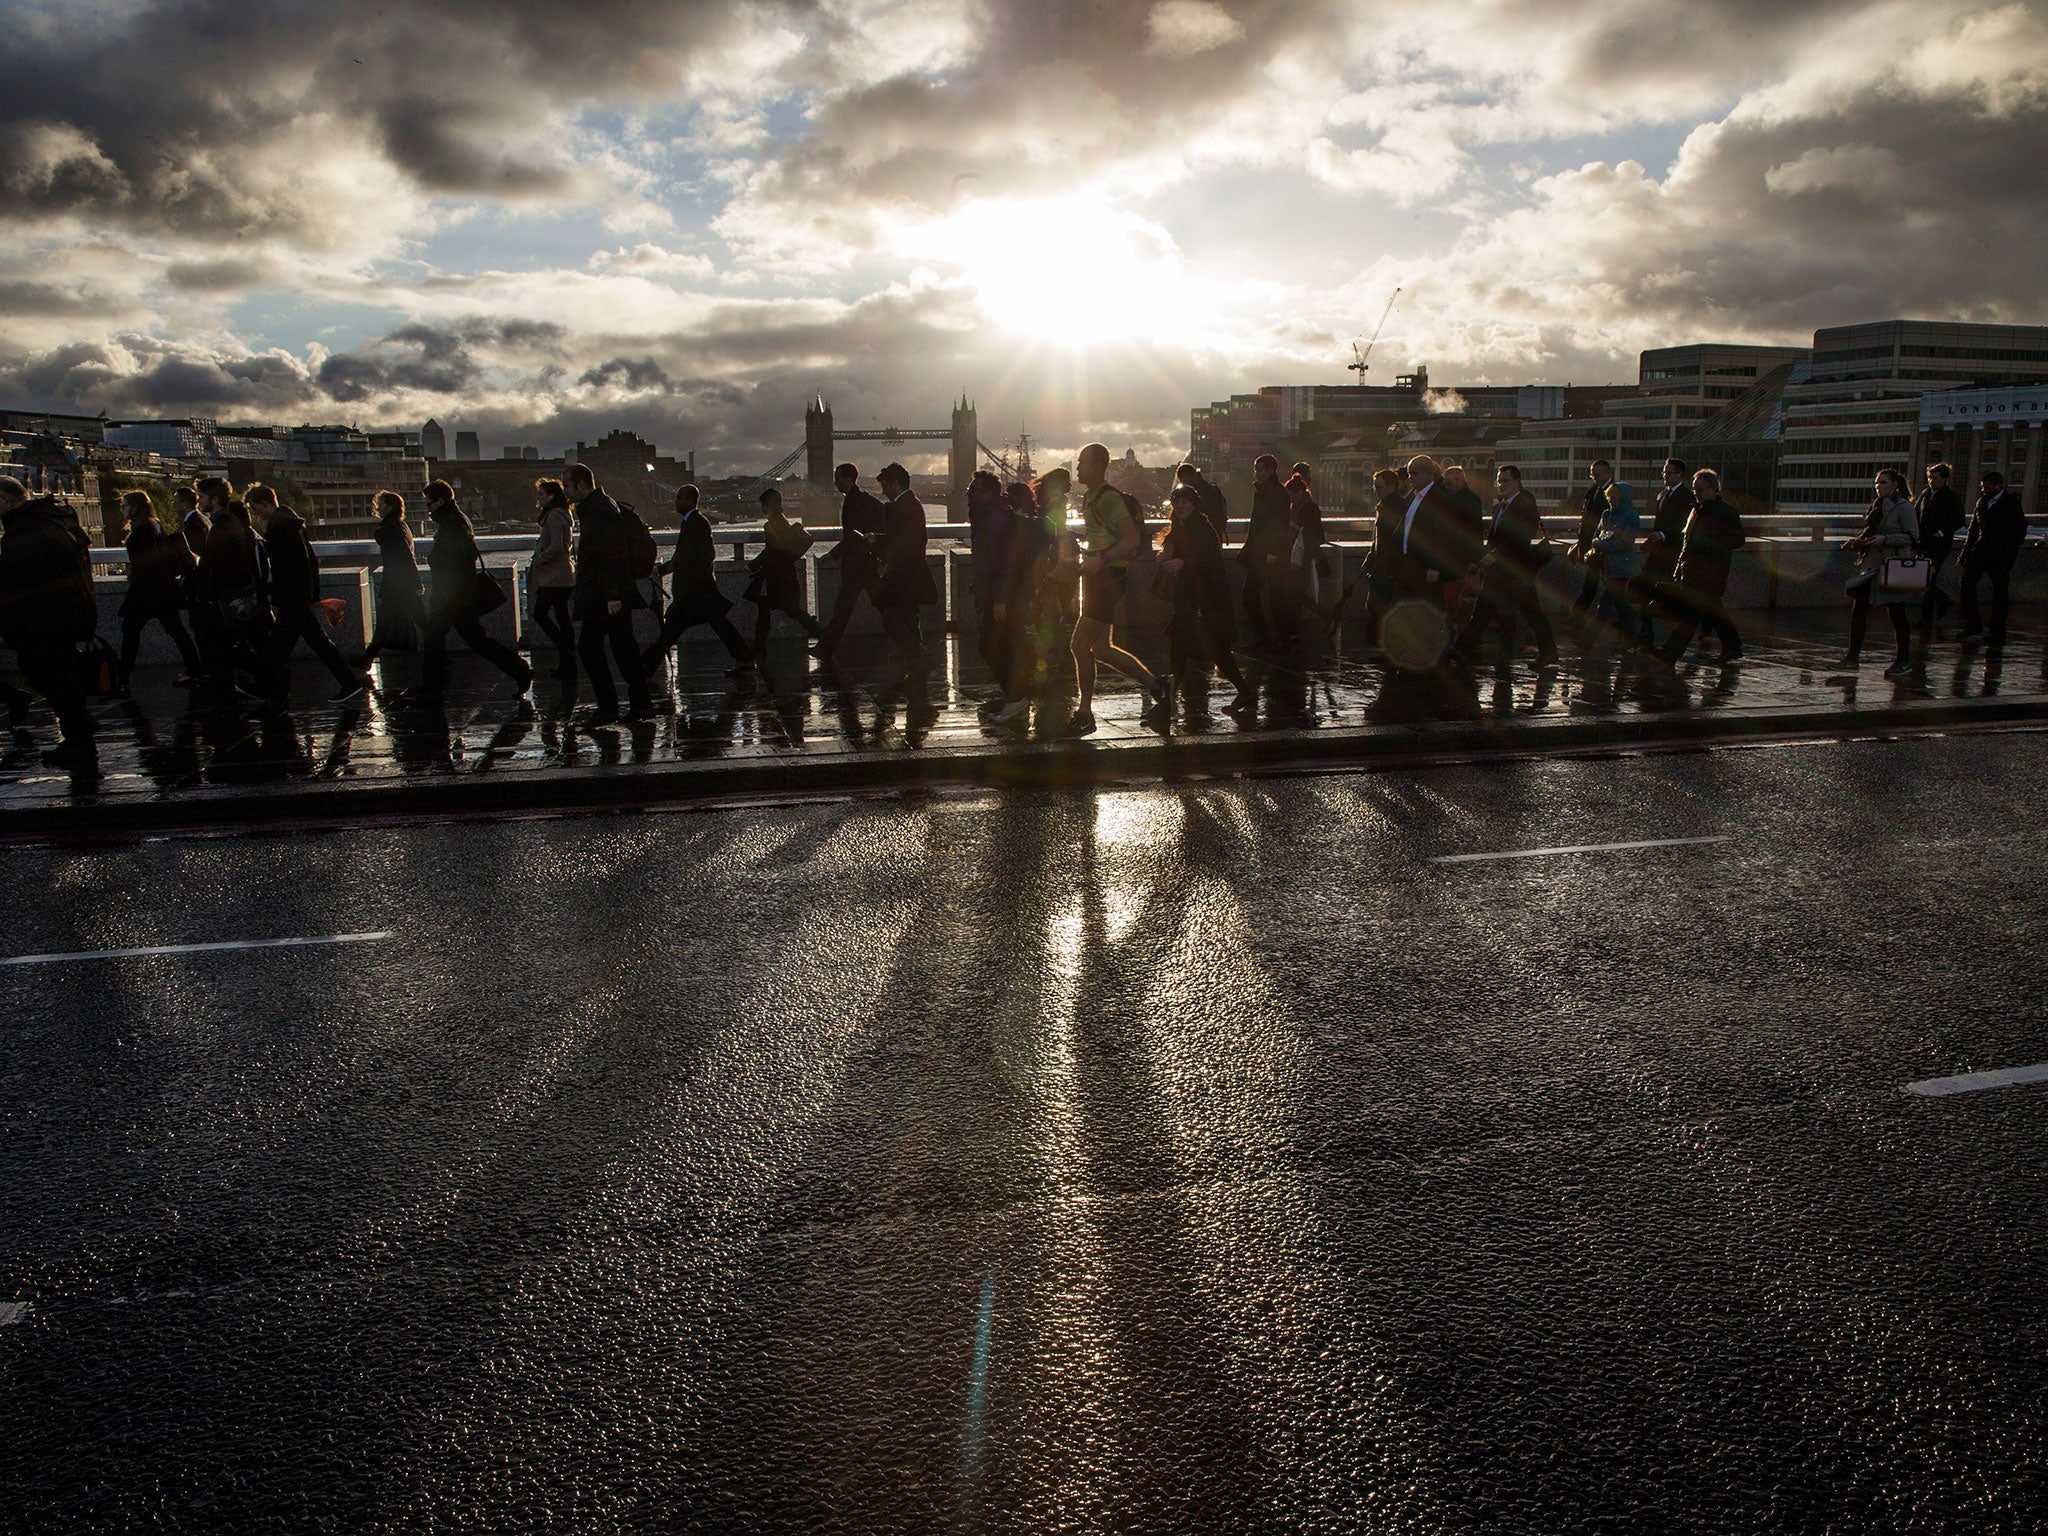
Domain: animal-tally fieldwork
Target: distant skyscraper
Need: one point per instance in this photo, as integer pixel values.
(467, 446)
(433, 441)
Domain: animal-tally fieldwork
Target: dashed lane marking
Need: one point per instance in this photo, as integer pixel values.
(1544, 853)
(1979, 1082)
(197, 949)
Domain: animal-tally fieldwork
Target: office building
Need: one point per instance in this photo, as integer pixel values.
(433, 441)
(1860, 410)
(467, 448)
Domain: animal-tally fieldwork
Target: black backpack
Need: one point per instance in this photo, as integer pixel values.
(641, 554)
(1130, 505)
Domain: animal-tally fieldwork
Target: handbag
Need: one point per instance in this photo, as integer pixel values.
(99, 667)
(489, 596)
(1905, 575)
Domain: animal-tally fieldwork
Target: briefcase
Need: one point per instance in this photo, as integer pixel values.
(1905, 576)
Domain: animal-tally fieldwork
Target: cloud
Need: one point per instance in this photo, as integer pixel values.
(1182, 28)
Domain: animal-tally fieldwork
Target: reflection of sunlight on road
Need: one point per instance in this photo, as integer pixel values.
(1133, 833)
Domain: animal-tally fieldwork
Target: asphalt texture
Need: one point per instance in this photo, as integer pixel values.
(1165, 1159)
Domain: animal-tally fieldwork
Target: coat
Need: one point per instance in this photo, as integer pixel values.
(1270, 535)
(294, 567)
(906, 580)
(861, 521)
(1615, 540)
(452, 560)
(992, 544)
(158, 564)
(1515, 538)
(1214, 507)
(1895, 524)
(46, 596)
(233, 558)
(604, 564)
(1200, 591)
(1591, 507)
(401, 600)
(552, 564)
(694, 597)
(1997, 529)
(1712, 535)
(1941, 519)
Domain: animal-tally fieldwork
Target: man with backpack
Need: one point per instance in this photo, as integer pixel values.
(1114, 535)
(295, 597)
(605, 597)
(47, 611)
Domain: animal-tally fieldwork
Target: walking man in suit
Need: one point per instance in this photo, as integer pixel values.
(861, 520)
(694, 597)
(1997, 529)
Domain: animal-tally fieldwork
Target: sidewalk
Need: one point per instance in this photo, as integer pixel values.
(798, 730)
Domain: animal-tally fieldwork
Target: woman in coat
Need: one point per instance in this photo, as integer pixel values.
(1891, 528)
(1613, 553)
(401, 603)
(551, 578)
(158, 564)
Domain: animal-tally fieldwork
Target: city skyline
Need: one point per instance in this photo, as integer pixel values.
(542, 223)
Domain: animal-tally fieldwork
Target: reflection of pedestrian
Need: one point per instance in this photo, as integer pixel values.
(401, 601)
(1891, 529)
(158, 564)
(47, 609)
(551, 578)
(1997, 529)
(694, 597)
(454, 562)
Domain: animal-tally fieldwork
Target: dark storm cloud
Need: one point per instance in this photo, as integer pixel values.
(172, 118)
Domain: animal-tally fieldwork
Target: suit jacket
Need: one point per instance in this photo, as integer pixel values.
(862, 520)
(1516, 532)
(1271, 534)
(1712, 535)
(693, 582)
(906, 580)
(1439, 540)
(1997, 529)
(1592, 508)
(1941, 518)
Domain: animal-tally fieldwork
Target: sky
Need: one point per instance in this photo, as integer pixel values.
(540, 219)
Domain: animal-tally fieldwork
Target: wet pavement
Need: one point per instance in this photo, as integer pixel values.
(158, 744)
(1169, 1159)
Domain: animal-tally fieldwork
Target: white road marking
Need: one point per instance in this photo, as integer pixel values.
(12, 1312)
(1544, 853)
(1977, 1082)
(196, 949)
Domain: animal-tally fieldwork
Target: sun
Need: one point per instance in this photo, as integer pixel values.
(1076, 277)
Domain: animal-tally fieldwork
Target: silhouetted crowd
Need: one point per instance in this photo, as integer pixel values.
(1445, 577)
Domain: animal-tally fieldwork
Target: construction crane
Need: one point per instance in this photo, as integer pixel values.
(1360, 360)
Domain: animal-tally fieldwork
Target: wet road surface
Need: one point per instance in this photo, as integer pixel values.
(1165, 1159)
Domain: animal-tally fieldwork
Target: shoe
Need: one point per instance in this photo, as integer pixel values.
(1850, 661)
(1730, 658)
(596, 717)
(347, 695)
(1010, 711)
(1898, 668)
(1081, 723)
(71, 754)
(1160, 694)
(740, 669)
(1246, 702)
(522, 685)
(184, 680)
(1547, 662)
